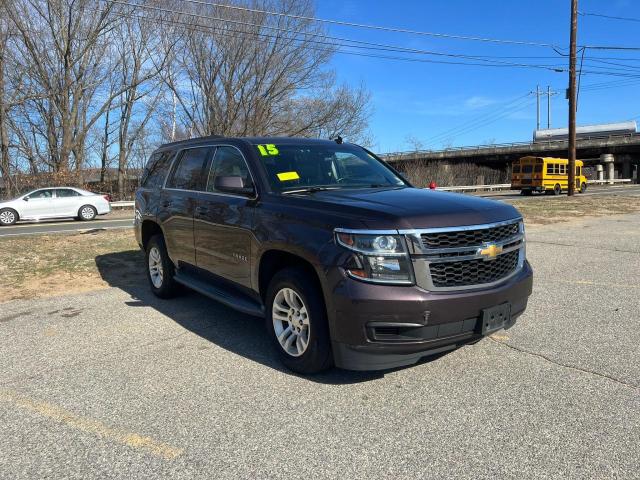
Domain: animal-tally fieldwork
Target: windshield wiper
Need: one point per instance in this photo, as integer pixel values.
(309, 190)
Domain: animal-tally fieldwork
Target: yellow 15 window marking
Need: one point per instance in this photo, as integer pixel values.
(268, 150)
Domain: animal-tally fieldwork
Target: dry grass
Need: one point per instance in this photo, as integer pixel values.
(546, 210)
(39, 266)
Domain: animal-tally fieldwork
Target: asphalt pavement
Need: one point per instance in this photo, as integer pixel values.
(64, 226)
(119, 384)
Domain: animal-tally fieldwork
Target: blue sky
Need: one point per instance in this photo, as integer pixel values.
(426, 101)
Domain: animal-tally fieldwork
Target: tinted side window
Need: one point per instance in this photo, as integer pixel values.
(228, 162)
(527, 168)
(42, 194)
(188, 173)
(156, 170)
(66, 192)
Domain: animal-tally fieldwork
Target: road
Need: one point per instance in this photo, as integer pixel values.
(63, 226)
(118, 384)
(593, 191)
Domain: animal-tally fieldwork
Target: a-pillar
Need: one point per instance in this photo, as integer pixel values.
(608, 159)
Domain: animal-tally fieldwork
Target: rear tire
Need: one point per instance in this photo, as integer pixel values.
(8, 216)
(583, 187)
(296, 319)
(160, 269)
(87, 213)
(557, 190)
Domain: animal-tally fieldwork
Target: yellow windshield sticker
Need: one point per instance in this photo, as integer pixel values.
(268, 150)
(288, 176)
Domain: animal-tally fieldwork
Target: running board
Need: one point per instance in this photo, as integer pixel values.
(235, 300)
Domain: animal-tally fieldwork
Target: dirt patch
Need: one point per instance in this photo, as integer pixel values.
(42, 266)
(547, 210)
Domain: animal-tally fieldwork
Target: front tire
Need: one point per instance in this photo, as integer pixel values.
(160, 269)
(583, 187)
(87, 213)
(557, 190)
(296, 320)
(8, 216)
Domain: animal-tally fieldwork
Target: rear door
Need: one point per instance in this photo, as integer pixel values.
(68, 202)
(223, 221)
(178, 201)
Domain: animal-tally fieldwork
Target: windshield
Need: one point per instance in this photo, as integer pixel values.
(292, 167)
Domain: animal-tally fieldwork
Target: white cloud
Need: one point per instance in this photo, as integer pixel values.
(478, 101)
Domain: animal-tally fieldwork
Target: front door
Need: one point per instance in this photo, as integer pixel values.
(178, 201)
(39, 204)
(223, 221)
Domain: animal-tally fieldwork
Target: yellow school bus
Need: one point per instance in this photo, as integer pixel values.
(545, 174)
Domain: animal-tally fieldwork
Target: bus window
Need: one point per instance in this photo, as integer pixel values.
(527, 168)
(516, 169)
(550, 169)
(538, 169)
(563, 169)
(578, 171)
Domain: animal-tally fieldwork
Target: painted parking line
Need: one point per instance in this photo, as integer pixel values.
(89, 425)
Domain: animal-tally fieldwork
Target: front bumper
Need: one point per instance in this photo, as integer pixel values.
(376, 327)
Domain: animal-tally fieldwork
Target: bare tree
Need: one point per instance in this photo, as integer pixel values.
(255, 74)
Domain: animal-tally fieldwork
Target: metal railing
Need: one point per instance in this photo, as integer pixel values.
(507, 186)
(471, 148)
(459, 188)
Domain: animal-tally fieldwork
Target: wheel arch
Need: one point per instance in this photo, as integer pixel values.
(274, 260)
(148, 229)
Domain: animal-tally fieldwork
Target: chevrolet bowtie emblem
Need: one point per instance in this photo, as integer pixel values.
(490, 252)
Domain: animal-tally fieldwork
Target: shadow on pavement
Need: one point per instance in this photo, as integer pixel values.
(236, 332)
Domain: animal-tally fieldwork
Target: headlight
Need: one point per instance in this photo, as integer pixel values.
(378, 258)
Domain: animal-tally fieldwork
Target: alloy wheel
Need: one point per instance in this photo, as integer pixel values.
(291, 322)
(7, 217)
(156, 272)
(87, 213)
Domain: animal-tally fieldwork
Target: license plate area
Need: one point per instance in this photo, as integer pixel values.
(495, 318)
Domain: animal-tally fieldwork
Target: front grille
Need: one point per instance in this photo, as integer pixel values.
(473, 272)
(470, 238)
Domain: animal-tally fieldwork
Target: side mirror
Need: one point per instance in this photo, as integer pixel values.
(26, 199)
(232, 184)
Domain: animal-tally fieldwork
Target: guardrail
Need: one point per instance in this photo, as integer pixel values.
(507, 186)
(604, 182)
(122, 204)
(463, 188)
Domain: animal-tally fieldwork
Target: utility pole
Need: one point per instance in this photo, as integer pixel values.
(549, 106)
(572, 97)
(537, 107)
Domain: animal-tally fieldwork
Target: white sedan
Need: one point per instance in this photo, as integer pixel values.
(62, 202)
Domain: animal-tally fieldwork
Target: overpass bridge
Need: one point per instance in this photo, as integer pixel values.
(619, 155)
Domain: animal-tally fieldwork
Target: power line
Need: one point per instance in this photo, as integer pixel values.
(375, 27)
(357, 43)
(367, 45)
(610, 17)
(229, 32)
(506, 108)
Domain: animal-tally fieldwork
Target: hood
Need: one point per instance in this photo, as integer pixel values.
(407, 208)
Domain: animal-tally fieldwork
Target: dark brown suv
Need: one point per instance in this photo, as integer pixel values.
(348, 263)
